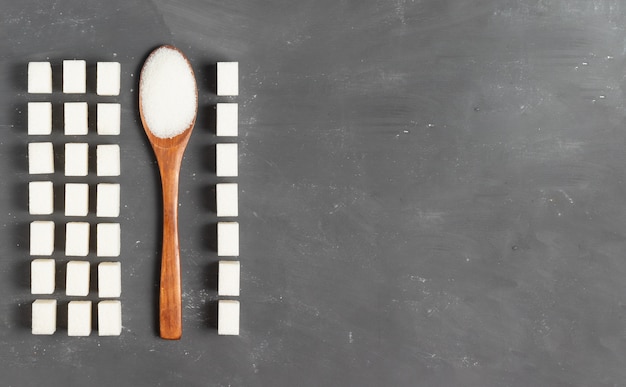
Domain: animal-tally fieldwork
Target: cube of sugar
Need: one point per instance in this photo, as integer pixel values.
(74, 76)
(108, 241)
(79, 318)
(109, 115)
(226, 198)
(228, 317)
(76, 118)
(108, 160)
(40, 198)
(227, 239)
(39, 118)
(226, 160)
(41, 237)
(108, 78)
(227, 120)
(39, 77)
(76, 159)
(109, 318)
(109, 279)
(76, 199)
(228, 278)
(108, 199)
(42, 276)
(40, 158)
(227, 78)
(77, 278)
(77, 239)
(44, 317)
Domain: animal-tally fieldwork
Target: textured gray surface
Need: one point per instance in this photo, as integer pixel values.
(432, 193)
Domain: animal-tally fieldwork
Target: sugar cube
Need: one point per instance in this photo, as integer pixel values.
(226, 160)
(77, 278)
(227, 78)
(42, 276)
(74, 76)
(109, 115)
(39, 118)
(109, 279)
(109, 318)
(108, 78)
(108, 241)
(40, 158)
(228, 278)
(227, 121)
(108, 160)
(76, 118)
(228, 317)
(76, 199)
(39, 77)
(77, 239)
(227, 239)
(79, 318)
(44, 315)
(40, 198)
(41, 237)
(108, 200)
(226, 198)
(76, 159)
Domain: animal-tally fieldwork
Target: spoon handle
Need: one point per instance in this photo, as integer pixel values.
(170, 309)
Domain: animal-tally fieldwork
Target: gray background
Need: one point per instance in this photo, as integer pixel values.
(432, 193)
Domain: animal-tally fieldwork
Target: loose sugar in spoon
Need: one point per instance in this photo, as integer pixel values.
(168, 92)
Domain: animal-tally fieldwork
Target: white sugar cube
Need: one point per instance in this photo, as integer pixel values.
(42, 276)
(77, 239)
(227, 78)
(108, 160)
(228, 278)
(108, 78)
(108, 241)
(76, 199)
(109, 318)
(226, 160)
(40, 198)
(77, 278)
(76, 118)
(40, 158)
(39, 118)
(227, 120)
(79, 318)
(227, 239)
(109, 115)
(76, 159)
(228, 317)
(41, 237)
(109, 279)
(226, 198)
(39, 77)
(108, 200)
(74, 76)
(44, 315)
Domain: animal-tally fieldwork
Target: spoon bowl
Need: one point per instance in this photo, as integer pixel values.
(169, 154)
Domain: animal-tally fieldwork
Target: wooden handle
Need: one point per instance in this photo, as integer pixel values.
(170, 303)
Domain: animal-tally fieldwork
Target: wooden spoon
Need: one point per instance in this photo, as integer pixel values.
(169, 155)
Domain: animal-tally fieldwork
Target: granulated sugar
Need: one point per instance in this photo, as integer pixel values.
(167, 93)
